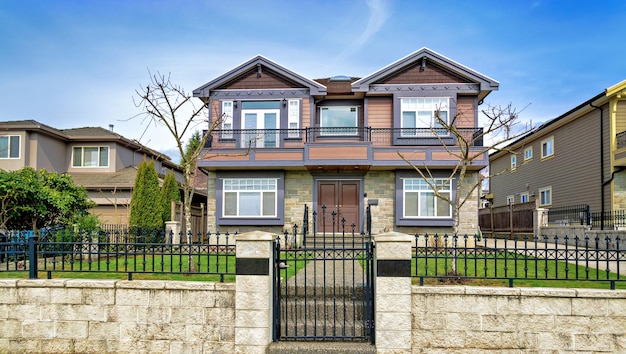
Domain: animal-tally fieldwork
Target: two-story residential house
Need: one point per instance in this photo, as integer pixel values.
(102, 161)
(286, 141)
(576, 158)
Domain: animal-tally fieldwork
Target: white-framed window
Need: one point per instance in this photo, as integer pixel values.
(421, 112)
(293, 119)
(260, 120)
(513, 162)
(90, 156)
(528, 153)
(227, 119)
(545, 196)
(339, 120)
(250, 197)
(10, 147)
(510, 199)
(547, 147)
(525, 197)
(420, 200)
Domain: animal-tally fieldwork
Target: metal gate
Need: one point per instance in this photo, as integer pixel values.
(324, 287)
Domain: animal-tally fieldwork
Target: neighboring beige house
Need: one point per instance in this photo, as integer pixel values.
(102, 161)
(287, 141)
(576, 158)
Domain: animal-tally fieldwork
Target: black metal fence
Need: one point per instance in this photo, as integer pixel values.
(115, 252)
(582, 214)
(460, 258)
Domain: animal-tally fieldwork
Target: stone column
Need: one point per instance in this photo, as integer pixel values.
(172, 229)
(253, 299)
(393, 292)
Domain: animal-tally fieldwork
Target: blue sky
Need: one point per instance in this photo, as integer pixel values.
(78, 63)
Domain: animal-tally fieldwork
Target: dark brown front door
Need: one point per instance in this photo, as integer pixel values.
(341, 197)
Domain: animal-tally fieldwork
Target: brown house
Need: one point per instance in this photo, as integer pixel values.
(576, 158)
(286, 141)
(102, 161)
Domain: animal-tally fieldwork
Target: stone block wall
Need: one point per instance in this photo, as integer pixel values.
(460, 319)
(110, 316)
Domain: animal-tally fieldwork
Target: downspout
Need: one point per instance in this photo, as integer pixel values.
(602, 184)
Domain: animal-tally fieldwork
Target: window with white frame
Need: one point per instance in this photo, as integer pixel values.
(547, 147)
(510, 199)
(293, 119)
(10, 147)
(420, 200)
(339, 120)
(528, 153)
(525, 197)
(513, 162)
(249, 197)
(545, 196)
(90, 156)
(227, 119)
(260, 121)
(421, 112)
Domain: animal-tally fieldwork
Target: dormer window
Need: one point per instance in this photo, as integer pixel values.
(419, 115)
(90, 156)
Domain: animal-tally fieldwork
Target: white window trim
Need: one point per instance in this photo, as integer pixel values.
(260, 133)
(19, 149)
(227, 119)
(238, 191)
(541, 191)
(513, 162)
(407, 106)
(528, 156)
(523, 196)
(293, 118)
(447, 188)
(545, 142)
(510, 199)
(82, 160)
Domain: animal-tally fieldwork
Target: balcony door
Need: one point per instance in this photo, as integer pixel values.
(342, 197)
(260, 128)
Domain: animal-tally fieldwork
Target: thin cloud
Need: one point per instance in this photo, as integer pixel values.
(379, 13)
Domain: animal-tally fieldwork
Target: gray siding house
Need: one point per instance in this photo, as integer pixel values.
(286, 141)
(102, 161)
(576, 158)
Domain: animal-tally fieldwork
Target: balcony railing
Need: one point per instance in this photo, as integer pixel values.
(379, 137)
(621, 139)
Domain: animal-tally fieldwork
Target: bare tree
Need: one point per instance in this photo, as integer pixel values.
(167, 105)
(502, 127)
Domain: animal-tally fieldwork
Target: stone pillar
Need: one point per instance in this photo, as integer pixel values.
(253, 300)
(172, 229)
(540, 220)
(393, 292)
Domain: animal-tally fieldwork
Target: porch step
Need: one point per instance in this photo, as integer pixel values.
(316, 347)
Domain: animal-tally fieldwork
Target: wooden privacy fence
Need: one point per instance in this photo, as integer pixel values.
(511, 219)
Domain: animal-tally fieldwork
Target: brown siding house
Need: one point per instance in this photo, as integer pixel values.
(286, 141)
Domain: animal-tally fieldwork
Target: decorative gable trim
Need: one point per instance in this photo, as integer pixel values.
(259, 64)
(421, 58)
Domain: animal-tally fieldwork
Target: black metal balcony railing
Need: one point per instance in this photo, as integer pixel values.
(621, 139)
(379, 137)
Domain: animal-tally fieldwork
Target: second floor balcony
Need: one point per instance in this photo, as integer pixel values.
(339, 149)
(376, 137)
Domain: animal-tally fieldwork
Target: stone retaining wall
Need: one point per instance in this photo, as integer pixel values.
(460, 319)
(100, 316)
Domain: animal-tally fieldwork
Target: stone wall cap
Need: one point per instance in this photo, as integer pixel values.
(499, 291)
(393, 236)
(451, 290)
(8, 283)
(41, 283)
(601, 293)
(255, 236)
(141, 284)
(225, 286)
(91, 283)
(548, 292)
(189, 285)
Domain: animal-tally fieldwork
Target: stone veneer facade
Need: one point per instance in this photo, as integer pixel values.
(379, 185)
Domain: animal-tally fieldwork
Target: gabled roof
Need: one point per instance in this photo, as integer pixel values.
(31, 125)
(486, 83)
(259, 60)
